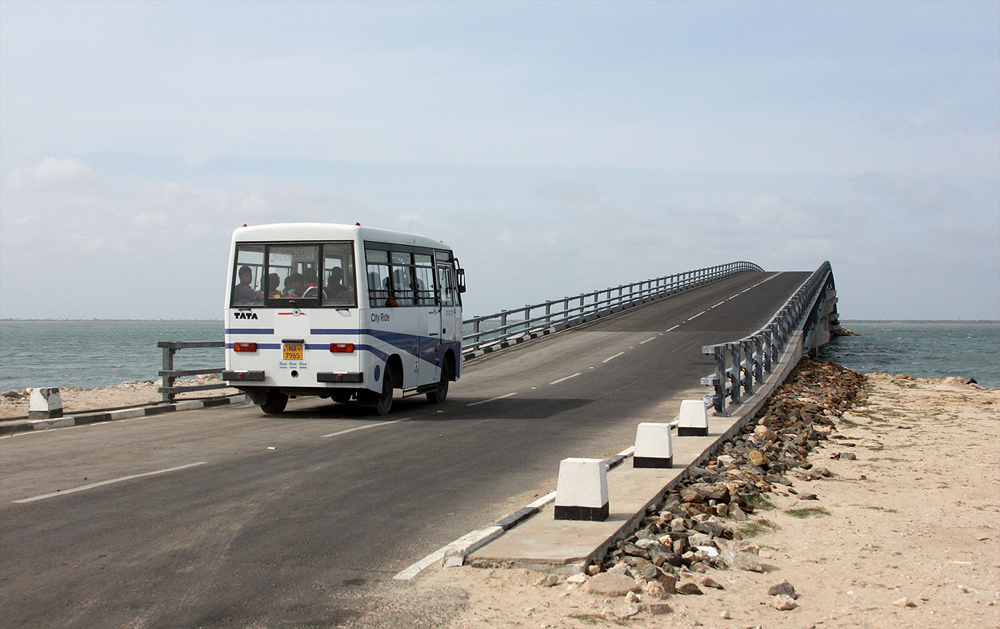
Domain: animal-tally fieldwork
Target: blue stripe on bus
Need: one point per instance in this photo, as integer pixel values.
(427, 347)
(249, 330)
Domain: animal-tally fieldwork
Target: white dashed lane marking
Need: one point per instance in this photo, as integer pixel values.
(564, 379)
(344, 432)
(609, 358)
(108, 482)
(492, 399)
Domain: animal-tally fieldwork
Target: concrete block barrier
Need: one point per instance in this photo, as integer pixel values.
(693, 419)
(582, 490)
(45, 403)
(653, 446)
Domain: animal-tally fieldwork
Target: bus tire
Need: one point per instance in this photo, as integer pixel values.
(275, 402)
(440, 394)
(384, 403)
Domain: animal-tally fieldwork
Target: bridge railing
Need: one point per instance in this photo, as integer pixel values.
(169, 374)
(742, 365)
(508, 325)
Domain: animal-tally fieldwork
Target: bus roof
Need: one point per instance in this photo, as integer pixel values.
(330, 231)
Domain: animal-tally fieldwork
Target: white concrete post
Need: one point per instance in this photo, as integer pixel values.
(693, 419)
(653, 447)
(582, 490)
(44, 403)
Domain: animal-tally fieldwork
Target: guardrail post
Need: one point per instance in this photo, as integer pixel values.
(734, 372)
(746, 347)
(720, 380)
(168, 381)
(758, 359)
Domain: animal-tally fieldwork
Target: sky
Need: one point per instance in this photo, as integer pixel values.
(558, 148)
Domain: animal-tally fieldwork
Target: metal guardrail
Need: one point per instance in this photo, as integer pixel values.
(562, 313)
(743, 364)
(497, 328)
(168, 373)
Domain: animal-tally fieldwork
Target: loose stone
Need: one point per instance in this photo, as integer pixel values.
(782, 588)
(783, 602)
(612, 584)
(689, 589)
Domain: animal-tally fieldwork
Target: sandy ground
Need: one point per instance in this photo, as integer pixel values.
(77, 399)
(905, 535)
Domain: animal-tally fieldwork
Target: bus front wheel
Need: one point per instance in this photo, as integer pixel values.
(275, 402)
(440, 394)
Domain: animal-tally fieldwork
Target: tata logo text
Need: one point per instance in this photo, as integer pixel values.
(244, 315)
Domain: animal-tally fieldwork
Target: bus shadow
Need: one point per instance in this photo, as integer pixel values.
(461, 409)
(510, 408)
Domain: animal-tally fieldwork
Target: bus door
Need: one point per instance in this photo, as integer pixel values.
(430, 311)
(451, 313)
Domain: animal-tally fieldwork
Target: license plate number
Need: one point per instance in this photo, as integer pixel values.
(292, 352)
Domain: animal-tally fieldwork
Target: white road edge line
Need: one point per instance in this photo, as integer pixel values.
(107, 482)
(468, 543)
(564, 379)
(609, 358)
(344, 432)
(492, 399)
(652, 338)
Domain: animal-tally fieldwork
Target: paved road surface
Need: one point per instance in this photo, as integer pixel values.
(229, 518)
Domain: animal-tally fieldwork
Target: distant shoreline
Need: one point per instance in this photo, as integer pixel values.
(924, 321)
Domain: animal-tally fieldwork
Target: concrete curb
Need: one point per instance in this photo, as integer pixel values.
(28, 425)
(533, 548)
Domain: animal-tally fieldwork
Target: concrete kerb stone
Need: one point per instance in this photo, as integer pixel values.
(568, 547)
(80, 419)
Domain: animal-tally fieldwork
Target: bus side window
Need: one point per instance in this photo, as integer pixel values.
(446, 286)
(378, 277)
(402, 278)
(424, 270)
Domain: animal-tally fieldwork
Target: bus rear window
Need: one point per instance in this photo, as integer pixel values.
(279, 275)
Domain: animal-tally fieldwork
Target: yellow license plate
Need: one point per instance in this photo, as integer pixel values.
(292, 352)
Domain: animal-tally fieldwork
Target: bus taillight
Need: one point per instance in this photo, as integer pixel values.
(342, 348)
(245, 347)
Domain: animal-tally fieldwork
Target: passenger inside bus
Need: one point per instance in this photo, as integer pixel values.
(245, 292)
(293, 286)
(274, 286)
(311, 284)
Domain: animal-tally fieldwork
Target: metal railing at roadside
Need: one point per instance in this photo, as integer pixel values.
(169, 374)
(496, 329)
(742, 365)
(507, 325)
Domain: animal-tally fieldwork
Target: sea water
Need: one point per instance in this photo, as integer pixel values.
(922, 350)
(98, 353)
(103, 353)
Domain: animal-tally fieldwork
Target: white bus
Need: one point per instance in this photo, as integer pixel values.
(341, 311)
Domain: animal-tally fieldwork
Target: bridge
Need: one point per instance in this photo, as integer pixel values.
(225, 517)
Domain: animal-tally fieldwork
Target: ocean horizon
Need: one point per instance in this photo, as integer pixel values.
(91, 353)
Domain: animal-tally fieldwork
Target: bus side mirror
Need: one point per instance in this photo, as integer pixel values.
(461, 280)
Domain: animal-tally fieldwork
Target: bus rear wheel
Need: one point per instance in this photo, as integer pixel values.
(384, 403)
(275, 402)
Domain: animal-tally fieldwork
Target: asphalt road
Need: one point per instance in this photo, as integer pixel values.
(226, 517)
